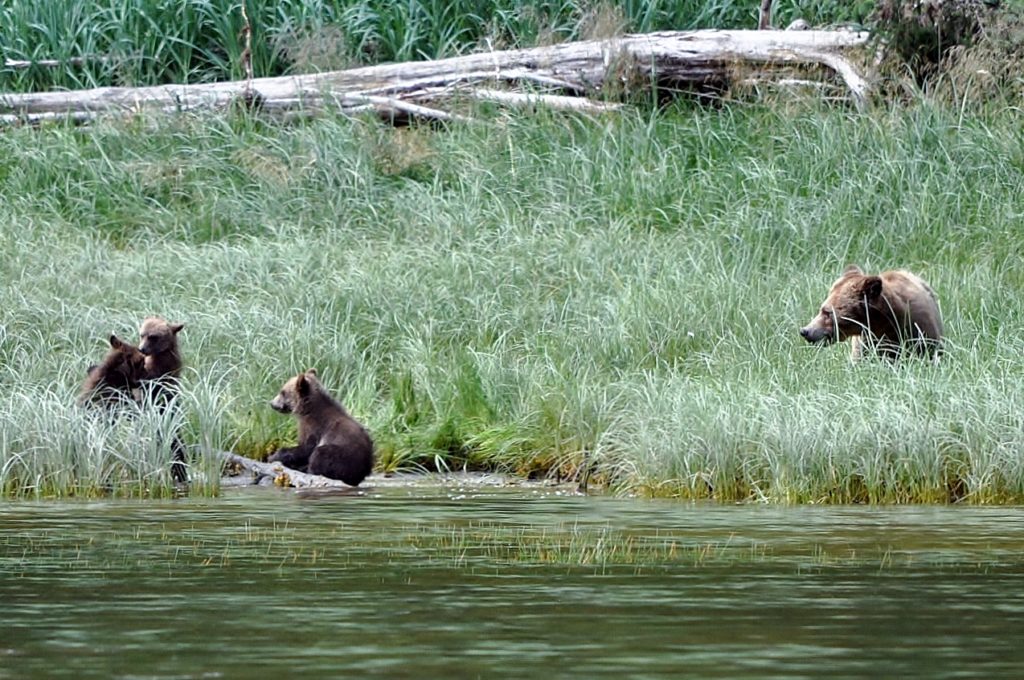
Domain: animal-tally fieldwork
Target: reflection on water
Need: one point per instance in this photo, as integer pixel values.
(447, 582)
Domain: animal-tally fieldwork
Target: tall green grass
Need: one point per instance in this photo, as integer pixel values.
(142, 42)
(533, 294)
(53, 448)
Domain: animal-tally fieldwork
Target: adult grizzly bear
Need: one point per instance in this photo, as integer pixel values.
(158, 341)
(331, 442)
(116, 379)
(890, 314)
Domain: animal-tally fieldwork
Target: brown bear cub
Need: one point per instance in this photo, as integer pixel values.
(890, 314)
(331, 442)
(158, 341)
(115, 380)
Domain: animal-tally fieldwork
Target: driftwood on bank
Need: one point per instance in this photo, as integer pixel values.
(578, 75)
(281, 475)
(22, 64)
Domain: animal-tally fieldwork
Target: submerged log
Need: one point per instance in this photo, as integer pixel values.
(689, 61)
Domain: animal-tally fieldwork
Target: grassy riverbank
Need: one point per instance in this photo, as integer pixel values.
(527, 295)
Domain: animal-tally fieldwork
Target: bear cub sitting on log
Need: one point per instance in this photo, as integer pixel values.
(890, 314)
(115, 380)
(331, 442)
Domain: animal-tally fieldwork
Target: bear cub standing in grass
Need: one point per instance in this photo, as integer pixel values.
(331, 442)
(158, 341)
(890, 313)
(115, 380)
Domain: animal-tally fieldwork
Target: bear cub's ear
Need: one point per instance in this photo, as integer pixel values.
(116, 342)
(302, 385)
(176, 327)
(871, 287)
(852, 269)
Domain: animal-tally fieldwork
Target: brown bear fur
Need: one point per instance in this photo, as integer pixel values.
(158, 341)
(116, 379)
(892, 313)
(331, 442)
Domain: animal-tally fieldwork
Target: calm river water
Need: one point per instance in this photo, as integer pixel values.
(474, 582)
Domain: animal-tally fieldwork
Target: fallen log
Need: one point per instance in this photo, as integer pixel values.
(687, 61)
(281, 475)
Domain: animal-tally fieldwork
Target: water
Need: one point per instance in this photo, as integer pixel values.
(424, 582)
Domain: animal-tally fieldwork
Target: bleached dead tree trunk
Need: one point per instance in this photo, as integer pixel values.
(692, 61)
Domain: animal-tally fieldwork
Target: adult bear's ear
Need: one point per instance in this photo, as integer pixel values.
(116, 342)
(852, 269)
(311, 371)
(871, 287)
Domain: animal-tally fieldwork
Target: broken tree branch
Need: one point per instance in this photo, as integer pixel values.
(858, 86)
(764, 19)
(53, 63)
(392, 105)
(248, 96)
(550, 101)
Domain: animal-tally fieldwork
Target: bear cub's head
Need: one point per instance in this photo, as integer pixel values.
(123, 365)
(295, 393)
(116, 377)
(845, 311)
(157, 336)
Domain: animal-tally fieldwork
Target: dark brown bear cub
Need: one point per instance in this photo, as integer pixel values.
(116, 378)
(331, 442)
